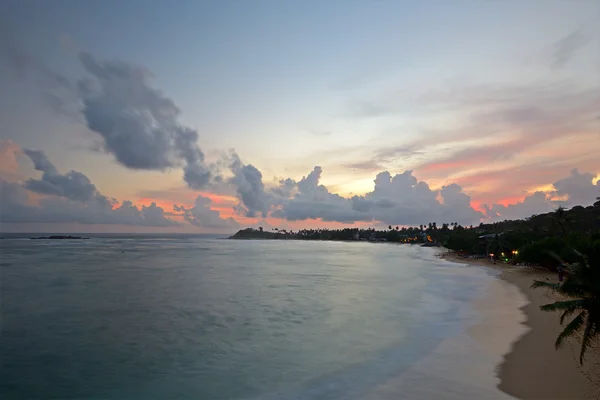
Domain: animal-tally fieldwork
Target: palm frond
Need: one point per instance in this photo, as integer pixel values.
(567, 313)
(562, 305)
(571, 328)
(588, 335)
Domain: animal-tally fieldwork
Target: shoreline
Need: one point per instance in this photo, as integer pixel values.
(533, 368)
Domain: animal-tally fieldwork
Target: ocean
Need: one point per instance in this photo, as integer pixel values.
(197, 317)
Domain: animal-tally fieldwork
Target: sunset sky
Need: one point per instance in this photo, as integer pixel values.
(197, 116)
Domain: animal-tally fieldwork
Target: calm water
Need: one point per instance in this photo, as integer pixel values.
(206, 318)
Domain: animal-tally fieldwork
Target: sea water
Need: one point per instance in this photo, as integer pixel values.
(191, 317)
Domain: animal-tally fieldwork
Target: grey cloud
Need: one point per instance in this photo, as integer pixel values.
(15, 208)
(201, 215)
(565, 49)
(403, 200)
(369, 165)
(23, 63)
(72, 185)
(399, 200)
(579, 188)
(312, 200)
(537, 203)
(250, 188)
(56, 90)
(285, 189)
(138, 124)
(40, 161)
(310, 183)
(387, 156)
(69, 198)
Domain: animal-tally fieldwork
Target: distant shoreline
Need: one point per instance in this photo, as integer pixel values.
(533, 368)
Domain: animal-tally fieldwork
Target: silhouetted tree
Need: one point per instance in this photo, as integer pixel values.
(582, 290)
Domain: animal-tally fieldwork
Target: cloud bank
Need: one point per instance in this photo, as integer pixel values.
(401, 199)
(69, 198)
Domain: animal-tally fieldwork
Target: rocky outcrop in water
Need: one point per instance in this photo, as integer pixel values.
(59, 237)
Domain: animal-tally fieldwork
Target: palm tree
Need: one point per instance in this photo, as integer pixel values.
(582, 290)
(561, 219)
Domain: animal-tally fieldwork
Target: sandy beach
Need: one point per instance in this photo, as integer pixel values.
(533, 368)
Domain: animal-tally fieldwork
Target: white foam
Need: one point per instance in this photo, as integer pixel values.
(464, 366)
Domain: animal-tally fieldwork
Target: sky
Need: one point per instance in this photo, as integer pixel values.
(198, 116)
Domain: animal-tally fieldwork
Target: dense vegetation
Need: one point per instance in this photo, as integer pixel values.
(536, 240)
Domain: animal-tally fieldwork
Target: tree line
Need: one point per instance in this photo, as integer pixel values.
(563, 240)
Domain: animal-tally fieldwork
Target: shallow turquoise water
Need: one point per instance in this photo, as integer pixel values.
(202, 318)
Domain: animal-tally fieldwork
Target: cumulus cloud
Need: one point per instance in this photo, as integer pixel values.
(16, 206)
(312, 200)
(69, 198)
(72, 185)
(537, 203)
(402, 199)
(254, 200)
(579, 188)
(202, 215)
(139, 124)
(397, 200)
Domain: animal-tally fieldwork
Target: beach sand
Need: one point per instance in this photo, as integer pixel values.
(533, 368)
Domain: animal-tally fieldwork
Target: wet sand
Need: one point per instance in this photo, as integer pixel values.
(533, 368)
